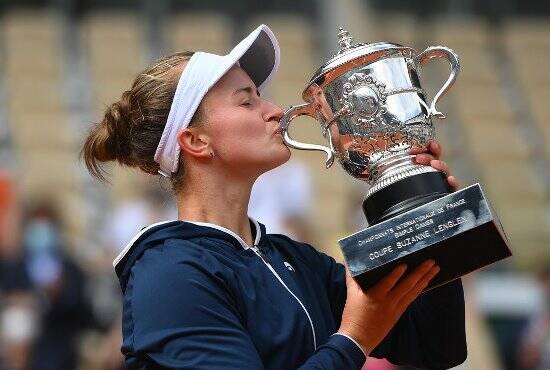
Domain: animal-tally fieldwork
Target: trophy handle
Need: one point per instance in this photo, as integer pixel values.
(440, 52)
(289, 115)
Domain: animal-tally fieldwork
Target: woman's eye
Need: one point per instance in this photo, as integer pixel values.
(246, 103)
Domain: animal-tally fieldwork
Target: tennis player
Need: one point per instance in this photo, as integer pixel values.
(212, 290)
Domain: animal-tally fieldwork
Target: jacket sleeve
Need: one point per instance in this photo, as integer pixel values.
(431, 332)
(183, 317)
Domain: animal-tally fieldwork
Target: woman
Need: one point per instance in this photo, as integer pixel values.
(211, 290)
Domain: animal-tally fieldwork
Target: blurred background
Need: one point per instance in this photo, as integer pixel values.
(62, 62)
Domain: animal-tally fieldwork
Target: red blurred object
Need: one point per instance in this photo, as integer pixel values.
(378, 364)
(6, 192)
(9, 221)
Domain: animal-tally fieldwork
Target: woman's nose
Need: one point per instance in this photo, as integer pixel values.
(273, 112)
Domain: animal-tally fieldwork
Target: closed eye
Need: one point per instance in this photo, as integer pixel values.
(248, 95)
(248, 90)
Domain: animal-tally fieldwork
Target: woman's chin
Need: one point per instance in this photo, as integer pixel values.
(279, 158)
(286, 155)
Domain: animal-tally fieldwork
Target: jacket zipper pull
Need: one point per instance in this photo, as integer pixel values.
(261, 254)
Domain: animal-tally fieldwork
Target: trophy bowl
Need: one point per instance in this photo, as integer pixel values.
(373, 112)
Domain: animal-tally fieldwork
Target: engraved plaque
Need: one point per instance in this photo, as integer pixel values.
(459, 231)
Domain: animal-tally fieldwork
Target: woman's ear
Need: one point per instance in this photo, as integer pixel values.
(194, 144)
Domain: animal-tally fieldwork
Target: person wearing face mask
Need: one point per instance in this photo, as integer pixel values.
(42, 245)
(63, 308)
(213, 290)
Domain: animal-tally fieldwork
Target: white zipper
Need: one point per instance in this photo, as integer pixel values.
(258, 253)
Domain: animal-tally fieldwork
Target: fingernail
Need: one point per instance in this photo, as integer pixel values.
(432, 274)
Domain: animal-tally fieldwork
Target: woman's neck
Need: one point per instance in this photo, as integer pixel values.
(218, 201)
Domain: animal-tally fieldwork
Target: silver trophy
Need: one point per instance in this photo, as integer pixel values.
(373, 111)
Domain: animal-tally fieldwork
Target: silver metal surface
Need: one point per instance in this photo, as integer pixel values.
(372, 109)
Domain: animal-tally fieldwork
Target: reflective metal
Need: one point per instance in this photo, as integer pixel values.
(372, 109)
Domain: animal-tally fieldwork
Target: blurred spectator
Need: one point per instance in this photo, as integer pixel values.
(59, 283)
(131, 215)
(281, 200)
(111, 356)
(534, 352)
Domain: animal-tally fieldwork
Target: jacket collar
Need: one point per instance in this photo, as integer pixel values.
(255, 230)
(226, 234)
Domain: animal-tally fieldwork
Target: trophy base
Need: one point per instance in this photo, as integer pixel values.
(458, 230)
(405, 194)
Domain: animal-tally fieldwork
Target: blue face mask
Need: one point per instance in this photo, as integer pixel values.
(41, 237)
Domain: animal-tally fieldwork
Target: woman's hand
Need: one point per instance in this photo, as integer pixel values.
(369, 316)
(431, 156)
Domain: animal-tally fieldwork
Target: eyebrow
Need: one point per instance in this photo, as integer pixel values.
(248, 89)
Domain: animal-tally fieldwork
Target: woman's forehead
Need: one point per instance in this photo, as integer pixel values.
(224, 90)
(236, 78)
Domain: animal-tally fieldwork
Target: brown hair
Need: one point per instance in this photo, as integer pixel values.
(131, 127)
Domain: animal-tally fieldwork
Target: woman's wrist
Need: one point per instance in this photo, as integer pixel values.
(362, 343)
(363, 349)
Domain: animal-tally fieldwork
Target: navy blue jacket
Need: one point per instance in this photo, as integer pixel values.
(197, 297)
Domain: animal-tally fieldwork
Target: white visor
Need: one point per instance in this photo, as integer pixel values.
(257, 54)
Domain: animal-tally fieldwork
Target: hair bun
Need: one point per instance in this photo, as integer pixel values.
(118, 125)
(109, 140)
(131, 128)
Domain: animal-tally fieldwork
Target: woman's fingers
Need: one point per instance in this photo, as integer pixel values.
(435, 149)
(440, 165)
(389, 281)
(431, 155)
(424, 158)
(453, 182)
(412, 294)
(410, 281)
(429, 160)
(416, 150)
(351, 284)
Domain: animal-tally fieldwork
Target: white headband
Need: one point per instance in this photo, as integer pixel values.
(258, 54)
